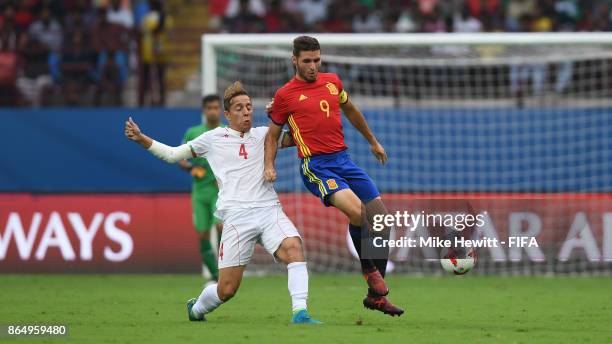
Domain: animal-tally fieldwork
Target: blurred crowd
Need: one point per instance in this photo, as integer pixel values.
(85, 52)
(80, 52)
(410, 15)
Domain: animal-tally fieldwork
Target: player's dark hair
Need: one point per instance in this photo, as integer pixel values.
(210, 98)
(233, 90)
(305, 43)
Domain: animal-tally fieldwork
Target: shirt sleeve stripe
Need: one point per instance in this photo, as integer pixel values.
(298, 137)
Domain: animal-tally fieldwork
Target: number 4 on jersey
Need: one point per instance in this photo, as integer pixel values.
(243, 151)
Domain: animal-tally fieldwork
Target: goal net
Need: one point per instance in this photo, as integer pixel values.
(514, 127)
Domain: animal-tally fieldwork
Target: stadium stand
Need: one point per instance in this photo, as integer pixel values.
(50, 50)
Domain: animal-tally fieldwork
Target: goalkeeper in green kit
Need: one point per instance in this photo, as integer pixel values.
(204, 188)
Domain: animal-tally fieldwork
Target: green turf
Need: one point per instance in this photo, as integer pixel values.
(151, 309)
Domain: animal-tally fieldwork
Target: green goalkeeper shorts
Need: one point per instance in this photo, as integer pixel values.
(203, 208)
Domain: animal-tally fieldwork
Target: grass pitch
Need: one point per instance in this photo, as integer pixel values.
(151, 309)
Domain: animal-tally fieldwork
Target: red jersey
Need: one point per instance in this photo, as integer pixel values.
(312, 110)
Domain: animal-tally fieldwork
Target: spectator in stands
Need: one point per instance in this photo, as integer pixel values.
(294, 20)
(70, 6)
(85, 13)
(35, 81)
(32, 32)
(535, 72)
(516, 10)
(601, 17)
(389, 22)
(566, 14)
(425, 16)
(587, 20)
(406, 21)
(245, 20)
(336, 20)
(273, 17)
(78, 70)
(56, 7)
(75, 20)
(45, 35)
(154, 54)
(605, 17)
(489, 13)
(24, 15)
(216, 13)
(111, 82)
(108, 36)
(314, 11)
(141, 9)
(366, 20)
(542, 20)
(117, 14)
(256, 7)
(466, 22)
(431, 20)
(426, 7)
(110, 42)
(47, 30)
(9, 45)
(291, 6)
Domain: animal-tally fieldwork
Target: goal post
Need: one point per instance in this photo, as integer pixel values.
(210, 43)
(517, 126)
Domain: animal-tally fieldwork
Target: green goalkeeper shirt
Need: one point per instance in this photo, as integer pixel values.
(207, 182)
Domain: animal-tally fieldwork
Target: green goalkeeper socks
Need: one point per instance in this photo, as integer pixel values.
(208, 258)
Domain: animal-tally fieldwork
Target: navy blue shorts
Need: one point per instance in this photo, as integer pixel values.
(328, 173)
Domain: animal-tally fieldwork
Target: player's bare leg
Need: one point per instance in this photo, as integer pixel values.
(215, 294)
(348, 202)
(291, 253)
(229, 281)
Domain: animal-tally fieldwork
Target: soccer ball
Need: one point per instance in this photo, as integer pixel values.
(458, 262)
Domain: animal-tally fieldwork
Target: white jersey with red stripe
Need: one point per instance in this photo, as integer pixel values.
(237, 160)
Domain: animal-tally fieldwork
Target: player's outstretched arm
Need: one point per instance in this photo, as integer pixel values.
(354, 115)
(160, 150)
(132, 132)
(271, 145)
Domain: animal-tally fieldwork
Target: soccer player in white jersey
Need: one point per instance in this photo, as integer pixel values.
(247, 204)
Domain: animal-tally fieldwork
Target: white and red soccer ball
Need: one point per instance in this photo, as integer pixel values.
(458, 262)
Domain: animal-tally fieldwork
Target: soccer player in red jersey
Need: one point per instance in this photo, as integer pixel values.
(311, 104)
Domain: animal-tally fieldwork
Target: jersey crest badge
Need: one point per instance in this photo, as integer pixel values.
(333, 90)
(331, 184)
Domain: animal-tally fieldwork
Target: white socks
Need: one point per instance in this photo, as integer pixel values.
(208, 301)
(297, 274)
(298, 284)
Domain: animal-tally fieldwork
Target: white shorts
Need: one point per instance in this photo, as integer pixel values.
(242, 228)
